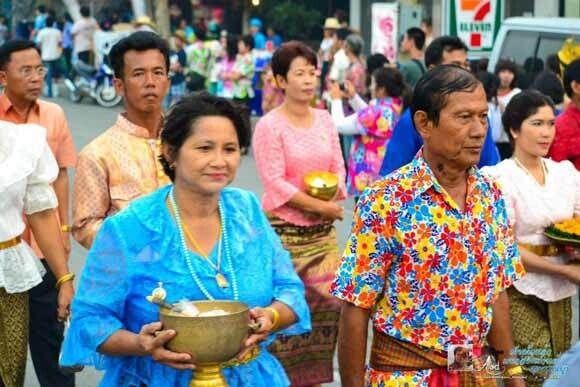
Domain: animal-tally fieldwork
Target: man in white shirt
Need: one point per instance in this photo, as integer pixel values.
(340, 61)
(49, 39)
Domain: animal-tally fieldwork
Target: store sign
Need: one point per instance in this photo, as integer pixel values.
(476, 22)
(385, 18)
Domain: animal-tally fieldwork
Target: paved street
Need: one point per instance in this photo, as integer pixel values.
(88, 120)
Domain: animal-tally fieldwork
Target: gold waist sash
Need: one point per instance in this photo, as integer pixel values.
(10, 243)
(542, 250)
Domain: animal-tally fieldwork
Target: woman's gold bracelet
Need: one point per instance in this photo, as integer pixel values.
(514, 371)
(275, 317)
(65, 228)
(65, 278)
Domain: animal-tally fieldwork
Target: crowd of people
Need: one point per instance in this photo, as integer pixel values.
(441, 252)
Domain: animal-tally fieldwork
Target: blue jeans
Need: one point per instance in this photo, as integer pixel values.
(52, 67)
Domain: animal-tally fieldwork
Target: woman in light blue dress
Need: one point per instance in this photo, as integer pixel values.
(202, 241)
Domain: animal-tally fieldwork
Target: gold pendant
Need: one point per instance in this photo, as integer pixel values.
(221, 280)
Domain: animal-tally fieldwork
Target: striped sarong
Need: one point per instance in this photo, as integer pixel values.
(389, 355)
(307, 358)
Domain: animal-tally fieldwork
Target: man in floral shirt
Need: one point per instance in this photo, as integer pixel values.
(431, 253)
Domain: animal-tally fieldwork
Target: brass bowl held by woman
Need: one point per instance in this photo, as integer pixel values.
(321, 185)
(209, 339)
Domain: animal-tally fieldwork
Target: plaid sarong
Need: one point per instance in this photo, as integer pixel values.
(389, 355)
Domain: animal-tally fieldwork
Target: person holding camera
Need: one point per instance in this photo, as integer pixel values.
(371, 125)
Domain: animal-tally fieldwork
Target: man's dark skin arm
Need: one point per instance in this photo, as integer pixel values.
(352, 344)
(500, 334)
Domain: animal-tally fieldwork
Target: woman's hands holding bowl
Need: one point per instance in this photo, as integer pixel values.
(152, 340)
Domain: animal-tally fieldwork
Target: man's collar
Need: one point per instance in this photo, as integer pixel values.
(423, 178)
(6, 104)
(129, 127)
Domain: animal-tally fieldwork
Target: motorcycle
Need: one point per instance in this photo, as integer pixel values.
(95, 83)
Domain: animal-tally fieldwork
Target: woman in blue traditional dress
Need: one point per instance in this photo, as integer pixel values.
(202, 241)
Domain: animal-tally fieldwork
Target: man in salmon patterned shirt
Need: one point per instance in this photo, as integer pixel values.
(431, 253)
(122, 163)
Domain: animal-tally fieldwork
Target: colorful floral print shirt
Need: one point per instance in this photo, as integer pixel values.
(429, 271)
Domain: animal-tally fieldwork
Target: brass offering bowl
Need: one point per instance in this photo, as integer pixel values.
(321, 185)
(211, 340)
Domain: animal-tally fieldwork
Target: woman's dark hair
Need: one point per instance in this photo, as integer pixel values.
(248, 41)
(180, 123)
(392, 81)
(376, 61)
(553, 64)
(435, 86)
(549, 84)
(138, 41)
(571, 73)
(506, 64)
(490, 84)
(283, 57)
(520, 107)
(231, 47)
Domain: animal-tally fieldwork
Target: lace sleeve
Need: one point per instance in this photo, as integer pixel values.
(39, 193)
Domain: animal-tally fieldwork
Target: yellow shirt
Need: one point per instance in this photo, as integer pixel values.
(118, 166)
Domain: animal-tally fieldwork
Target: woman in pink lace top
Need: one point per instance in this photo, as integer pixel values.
(289, 142)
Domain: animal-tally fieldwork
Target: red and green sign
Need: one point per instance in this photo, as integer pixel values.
(476, 22)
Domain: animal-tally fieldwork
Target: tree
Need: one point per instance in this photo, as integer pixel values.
(294, 21)
(21, 10)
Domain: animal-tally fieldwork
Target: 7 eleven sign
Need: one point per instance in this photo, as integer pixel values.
(476, 22)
